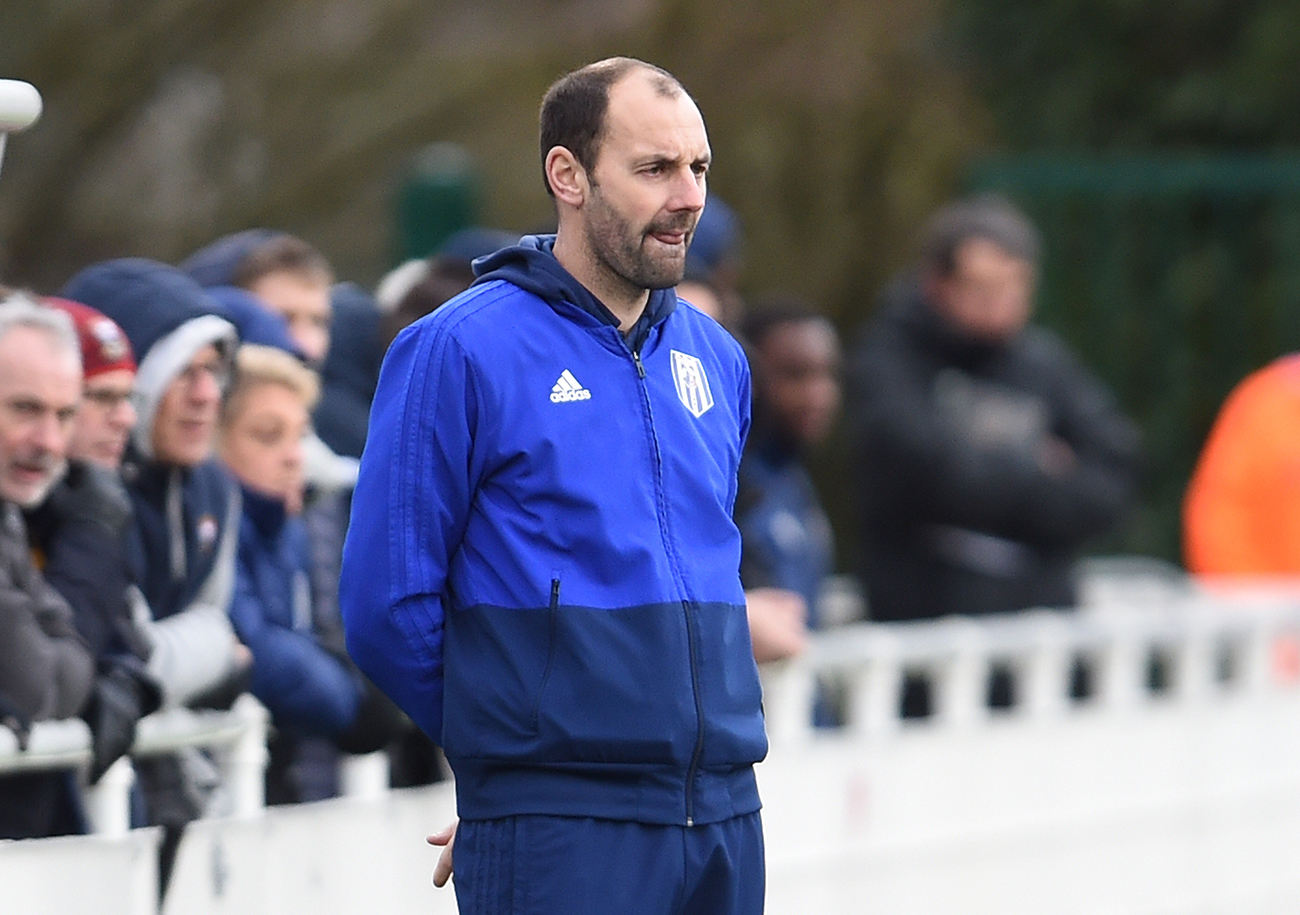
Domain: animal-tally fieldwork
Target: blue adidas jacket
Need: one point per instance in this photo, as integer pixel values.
(541, 542)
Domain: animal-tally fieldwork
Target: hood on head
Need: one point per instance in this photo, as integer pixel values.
(255, 322)
(166, 316)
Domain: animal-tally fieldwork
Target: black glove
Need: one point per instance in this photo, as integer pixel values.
(122, 695)
(222, 695)
(16, 720)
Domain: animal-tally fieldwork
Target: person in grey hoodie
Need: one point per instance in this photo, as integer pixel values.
(46, 668)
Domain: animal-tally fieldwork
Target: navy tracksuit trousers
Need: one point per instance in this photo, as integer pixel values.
(548, 865)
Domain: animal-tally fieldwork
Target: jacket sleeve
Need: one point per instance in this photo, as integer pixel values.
(194, 651)
(1237, 511)
(46, 670)
(86, 562)
(1091, 493)
(303, 685)
(919, 464)
(409, 513)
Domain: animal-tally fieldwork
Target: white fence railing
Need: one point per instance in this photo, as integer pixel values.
(237, 737)
(1171, 787)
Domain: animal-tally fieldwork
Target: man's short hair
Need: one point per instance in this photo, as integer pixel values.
(766, 314)
(282, 254)
(256, 364)
(988, 216)
(574, 107)
(20, 309)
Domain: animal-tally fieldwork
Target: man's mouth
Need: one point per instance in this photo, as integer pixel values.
(30, 473)
(671, 236)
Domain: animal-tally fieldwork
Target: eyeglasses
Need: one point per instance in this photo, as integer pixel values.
(218, 371)
(106, 399)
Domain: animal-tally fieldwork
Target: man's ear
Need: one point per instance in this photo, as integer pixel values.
(568, 179)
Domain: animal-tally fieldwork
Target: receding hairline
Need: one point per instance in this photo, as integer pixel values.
(663, 82)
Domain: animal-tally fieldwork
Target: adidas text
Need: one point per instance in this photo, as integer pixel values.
(568, 389)
(566, 396)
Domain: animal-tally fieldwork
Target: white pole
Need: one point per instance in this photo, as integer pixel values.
(108, 802)
(20, 106)
(247, 758)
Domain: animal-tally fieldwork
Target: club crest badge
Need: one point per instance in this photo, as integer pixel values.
(692, 384)
(206, 531)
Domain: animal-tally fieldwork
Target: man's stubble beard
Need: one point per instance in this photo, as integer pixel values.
(622, 251)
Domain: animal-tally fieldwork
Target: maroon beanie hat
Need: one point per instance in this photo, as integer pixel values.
(104, 347)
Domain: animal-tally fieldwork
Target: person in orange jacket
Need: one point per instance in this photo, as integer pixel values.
(1240, 511)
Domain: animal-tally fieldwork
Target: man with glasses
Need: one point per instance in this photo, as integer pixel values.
(186, 509)
(184, 502)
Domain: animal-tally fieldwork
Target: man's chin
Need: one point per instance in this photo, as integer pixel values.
(668, 278)
(32, 495)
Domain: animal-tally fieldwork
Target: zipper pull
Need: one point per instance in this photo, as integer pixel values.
(640, 369)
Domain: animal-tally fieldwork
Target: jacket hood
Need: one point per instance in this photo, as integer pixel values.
(254, 322)
(355, 351)
(531, 265)
(165, 315)
(214, 264)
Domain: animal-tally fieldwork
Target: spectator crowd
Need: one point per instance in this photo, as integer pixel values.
(178, 445)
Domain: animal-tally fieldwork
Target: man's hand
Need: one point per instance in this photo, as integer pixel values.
(778, 623)
(1055, 456)
(18, 721)
(446, 838)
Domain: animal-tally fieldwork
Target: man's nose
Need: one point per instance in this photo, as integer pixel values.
(50, 434)
(690, 192)
(205, 385)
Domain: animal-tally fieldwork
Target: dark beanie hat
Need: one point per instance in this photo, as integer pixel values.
(716, 238)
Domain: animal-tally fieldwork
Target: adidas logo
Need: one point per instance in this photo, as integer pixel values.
(568, 389)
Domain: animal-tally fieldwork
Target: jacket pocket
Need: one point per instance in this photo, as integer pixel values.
(552, 626)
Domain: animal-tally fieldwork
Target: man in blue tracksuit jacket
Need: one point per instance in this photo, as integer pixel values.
(541, 567)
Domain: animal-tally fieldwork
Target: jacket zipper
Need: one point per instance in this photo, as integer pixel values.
(698, 750)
